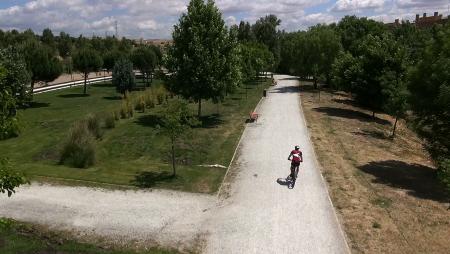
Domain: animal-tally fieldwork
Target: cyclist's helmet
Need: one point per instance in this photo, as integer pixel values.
(297, 147)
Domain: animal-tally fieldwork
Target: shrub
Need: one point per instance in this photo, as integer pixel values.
(160, 98)
(444, 173)
(149, 101)
(123, 111)
(110, 121)
(79, 148)
(93, 125)
(130, 109)
(116, 115)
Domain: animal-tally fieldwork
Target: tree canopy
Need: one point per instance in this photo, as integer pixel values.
(203, 59)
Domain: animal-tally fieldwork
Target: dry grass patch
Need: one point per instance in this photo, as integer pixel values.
(385, 190)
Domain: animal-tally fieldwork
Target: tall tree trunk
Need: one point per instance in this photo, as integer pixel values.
(315, 82)
(395, 126)
(199, 113)
(173, 157)
(373, 114)
(85, 82)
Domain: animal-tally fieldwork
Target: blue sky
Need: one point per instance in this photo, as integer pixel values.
(155, 18)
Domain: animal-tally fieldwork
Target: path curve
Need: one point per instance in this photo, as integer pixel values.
(260, 215)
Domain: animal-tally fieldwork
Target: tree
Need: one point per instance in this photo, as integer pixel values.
(48, 38)
(86, 61)
(110, 58)
(9, 179)
(429, 84)
(8, 119)
(123, 76)
(245, 33)
(64, 45)
(176, 121)
(255, 57)
(145, 60)
(265, 32)
(17, 78)
(203, 57)
(353, 29)
(42, 64)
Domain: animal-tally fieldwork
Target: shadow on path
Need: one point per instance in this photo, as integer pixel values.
(285, 89)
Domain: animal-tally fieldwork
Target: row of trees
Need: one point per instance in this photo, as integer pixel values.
(397, 70)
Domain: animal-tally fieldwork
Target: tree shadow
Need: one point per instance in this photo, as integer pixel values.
(149, 121)
(35, 104)
(291, 78)
(346, 101)
(74, 95)
(103, 84)
(351, 114)
(113, 98)
(419, 180)
(148, 179)
(285, 89)
(307, 88)
(210, 121)
(371, 133)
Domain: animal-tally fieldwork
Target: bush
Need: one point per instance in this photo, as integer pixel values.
(130, 109)
(148, 99)
(93, 125)
(79, 148)
(110, 121)
(444, 173)
(123, 111)
(116, 115)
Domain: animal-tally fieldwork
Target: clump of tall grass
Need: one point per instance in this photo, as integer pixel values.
(79, 148)
(110, 121)
(93, 123)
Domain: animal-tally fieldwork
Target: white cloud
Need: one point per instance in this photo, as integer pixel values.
(155, 18)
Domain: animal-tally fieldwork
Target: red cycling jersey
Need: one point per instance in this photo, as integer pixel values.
(296, 156)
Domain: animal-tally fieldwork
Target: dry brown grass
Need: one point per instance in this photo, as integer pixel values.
(385, 190)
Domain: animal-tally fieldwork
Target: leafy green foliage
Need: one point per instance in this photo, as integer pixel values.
(79, 148)
(41, 62)
(429, 84)
(85, 61)
(203, 59)
(255, 57)
(123, 76)
(9, 179)
(265, 32)
(176, 121)
(146, 60)
(17, 78)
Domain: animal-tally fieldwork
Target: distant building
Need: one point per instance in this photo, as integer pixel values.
(424, 21)
(156, 42)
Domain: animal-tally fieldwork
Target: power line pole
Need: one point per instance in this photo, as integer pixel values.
(117, 29)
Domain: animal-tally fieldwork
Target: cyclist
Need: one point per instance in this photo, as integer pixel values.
(295, 157)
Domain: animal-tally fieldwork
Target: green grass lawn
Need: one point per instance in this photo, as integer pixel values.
(24, 238)
(133, 153)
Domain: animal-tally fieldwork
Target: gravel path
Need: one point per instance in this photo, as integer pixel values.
(260, 215)
(263, 216)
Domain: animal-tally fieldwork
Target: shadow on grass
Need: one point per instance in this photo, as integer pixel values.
(351, 114)
(210, 121)
(149, 120)
(419, 180)
(35, 104)
(347, 102)
(148, 179)
(73, 95)
(113, 98)
(371, 133)
(103, 84)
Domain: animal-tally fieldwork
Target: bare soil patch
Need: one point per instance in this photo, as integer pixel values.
(385, 190)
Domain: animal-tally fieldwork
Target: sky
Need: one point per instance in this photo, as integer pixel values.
(154, 19)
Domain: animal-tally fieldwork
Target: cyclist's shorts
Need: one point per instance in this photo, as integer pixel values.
(295, 163)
